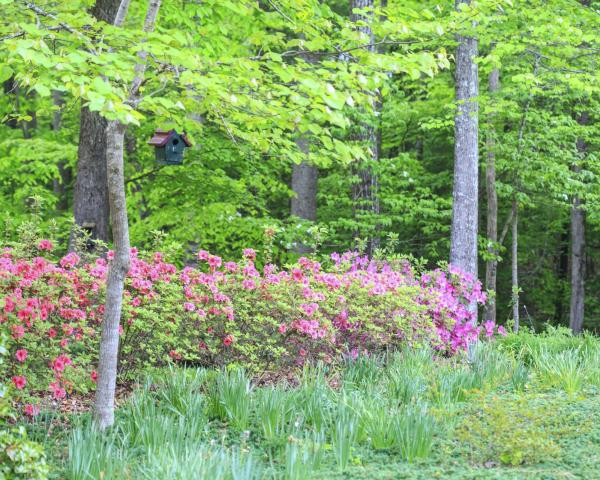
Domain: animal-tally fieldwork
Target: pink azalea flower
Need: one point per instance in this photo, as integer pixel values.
(21, 355)
(188, 306)
(249, 254)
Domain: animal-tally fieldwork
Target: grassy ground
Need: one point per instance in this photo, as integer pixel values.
(527, 407)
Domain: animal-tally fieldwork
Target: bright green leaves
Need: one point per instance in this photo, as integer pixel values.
(261, 73)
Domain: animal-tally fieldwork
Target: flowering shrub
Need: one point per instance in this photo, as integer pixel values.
(20, 458)
(222, 312)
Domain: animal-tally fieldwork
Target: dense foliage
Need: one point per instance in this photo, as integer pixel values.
(222, 313)
(244, 80)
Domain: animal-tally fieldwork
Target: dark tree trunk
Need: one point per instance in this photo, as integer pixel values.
(365, 193)
(491, 267)
(463, 243)
(576, 311)
(90, 195)
(10, 87)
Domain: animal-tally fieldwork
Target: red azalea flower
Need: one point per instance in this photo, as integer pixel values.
(228, 340)
(45, 245)
(94, 376)
(19, 382)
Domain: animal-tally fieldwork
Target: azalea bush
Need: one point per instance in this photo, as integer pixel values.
(20, 458)
(222, 312)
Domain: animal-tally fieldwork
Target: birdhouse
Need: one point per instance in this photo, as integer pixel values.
(169, 147)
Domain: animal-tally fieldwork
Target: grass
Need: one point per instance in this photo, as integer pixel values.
(523, 407)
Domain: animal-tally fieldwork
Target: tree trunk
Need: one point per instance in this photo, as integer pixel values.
(90, 195)
(304, 186)
(515, 263)
(119, 266)
(491, 267)
(463, 242)
(365, 193)
(576, 311)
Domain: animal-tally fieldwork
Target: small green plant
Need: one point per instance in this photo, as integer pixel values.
(362, 371)
(489, 365)
(519, 376)
(234, 389)
(344, 434)
(274, 411)
(561, 370)
(379, 424)
(414, 429)
(303, 455)
(452, 384)
(95, 454)
(314, 397)
(180, 389)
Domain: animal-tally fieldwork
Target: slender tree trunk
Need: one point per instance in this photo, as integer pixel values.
(576, 314)
(304, 180)
(463, 242)
(365, 192)
(576, 311)
(491, 267)
(90, 194)
(304, 186)
(119, 266)
(515, 263)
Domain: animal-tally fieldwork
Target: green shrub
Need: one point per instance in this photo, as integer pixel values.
(510, 432)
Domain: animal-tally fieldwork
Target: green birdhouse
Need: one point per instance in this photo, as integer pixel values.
(169, 147)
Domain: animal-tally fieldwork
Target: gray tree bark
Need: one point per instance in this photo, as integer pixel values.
(304, 180)
(119, 266)
(304, 186)
(491, 267)
(463, 242)
(515, 263)
(365, 192)
(90, 194)
(577, 307)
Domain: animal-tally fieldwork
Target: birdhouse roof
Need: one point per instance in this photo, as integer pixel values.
(161, 138)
